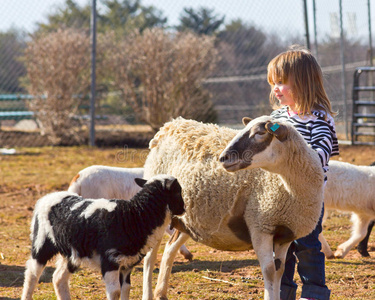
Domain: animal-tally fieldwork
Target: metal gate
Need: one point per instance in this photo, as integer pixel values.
(363, 115)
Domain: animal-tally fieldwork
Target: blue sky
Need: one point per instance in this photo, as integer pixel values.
(283, 17)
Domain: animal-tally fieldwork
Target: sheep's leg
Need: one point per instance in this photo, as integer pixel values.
(125, 283)
(32, 275)
(271, 258)
(263, 247)
(60, 279)
(112, 285)
(148, 267)
(170, 251)
(360, 225)
(325, 247)
(183, 249)
(362, 246)
(280, 252)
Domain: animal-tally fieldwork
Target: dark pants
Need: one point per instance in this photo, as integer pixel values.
(311, 267)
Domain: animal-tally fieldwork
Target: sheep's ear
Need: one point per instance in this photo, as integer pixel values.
(278, 130)
(172, 185)
(246, 120)
(141, 182)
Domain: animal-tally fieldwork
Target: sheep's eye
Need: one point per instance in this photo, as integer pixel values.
(259, 135)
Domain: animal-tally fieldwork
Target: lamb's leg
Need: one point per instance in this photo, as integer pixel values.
(32, 275)
(263, 247)
(170, 251)
(360, 225)
(60, 279)
(362, 246)
(326, 249)
(183, 249)
(148, 267)
(125, 283)
(112, 285)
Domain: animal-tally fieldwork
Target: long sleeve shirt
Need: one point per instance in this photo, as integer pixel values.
(318, 130)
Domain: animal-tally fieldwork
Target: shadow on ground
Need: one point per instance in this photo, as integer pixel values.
(13, 276)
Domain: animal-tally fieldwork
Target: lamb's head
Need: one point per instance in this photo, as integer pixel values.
(259, 144)
(171, 190)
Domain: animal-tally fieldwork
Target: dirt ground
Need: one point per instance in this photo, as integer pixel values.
(357, 155)
(211, 275)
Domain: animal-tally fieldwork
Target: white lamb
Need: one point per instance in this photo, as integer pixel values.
(277, 199)
(350, 188)
(106, 182)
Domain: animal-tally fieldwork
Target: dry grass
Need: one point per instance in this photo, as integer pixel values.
(34, 172)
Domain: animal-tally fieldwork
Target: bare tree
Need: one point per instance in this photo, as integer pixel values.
(160, 74)
(58, 74)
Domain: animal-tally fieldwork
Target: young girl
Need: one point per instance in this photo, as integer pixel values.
(298, 93)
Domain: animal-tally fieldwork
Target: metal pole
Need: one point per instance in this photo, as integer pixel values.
(315, 31)
(371, 74)
(306, 25)
(93, 75)
(343, 72)
(369, 32)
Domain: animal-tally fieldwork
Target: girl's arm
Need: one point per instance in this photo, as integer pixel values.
(324, 140)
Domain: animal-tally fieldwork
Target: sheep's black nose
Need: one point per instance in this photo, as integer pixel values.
(223, 158)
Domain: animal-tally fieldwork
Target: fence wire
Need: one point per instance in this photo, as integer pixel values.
(250, 35)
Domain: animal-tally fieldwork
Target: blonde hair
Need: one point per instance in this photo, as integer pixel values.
(299, 68)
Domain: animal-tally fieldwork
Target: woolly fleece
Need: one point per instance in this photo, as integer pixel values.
(189, 150)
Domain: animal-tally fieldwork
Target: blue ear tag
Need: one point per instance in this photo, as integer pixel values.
(275, 127)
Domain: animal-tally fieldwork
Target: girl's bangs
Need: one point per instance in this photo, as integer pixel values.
(277, 72)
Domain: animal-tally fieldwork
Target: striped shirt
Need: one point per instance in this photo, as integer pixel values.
(317, 131)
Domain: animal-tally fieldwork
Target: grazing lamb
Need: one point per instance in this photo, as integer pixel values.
(350, 188)
(111, 234)
(277, 199)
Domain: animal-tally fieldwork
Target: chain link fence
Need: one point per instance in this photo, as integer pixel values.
(248, 34)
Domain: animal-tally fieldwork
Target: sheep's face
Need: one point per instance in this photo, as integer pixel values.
(175, 201)
(257, 145)
(171, 190)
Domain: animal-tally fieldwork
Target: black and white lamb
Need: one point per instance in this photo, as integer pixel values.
(107, 182)
(113, 235)
(111, 183)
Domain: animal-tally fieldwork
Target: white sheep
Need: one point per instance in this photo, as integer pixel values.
(277, 199)
(350, 188)
(113, 235)
(106, 182)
